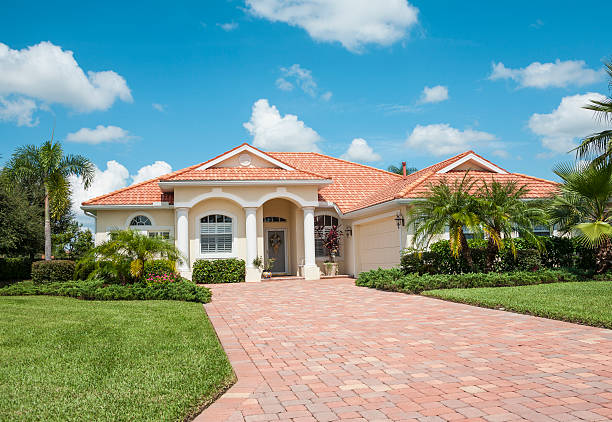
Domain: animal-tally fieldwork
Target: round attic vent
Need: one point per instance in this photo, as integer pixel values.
(245, 160)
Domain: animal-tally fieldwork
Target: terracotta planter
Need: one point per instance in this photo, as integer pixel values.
(331, 268)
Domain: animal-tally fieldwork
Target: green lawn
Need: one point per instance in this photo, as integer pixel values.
(587, 302)
(64, 359)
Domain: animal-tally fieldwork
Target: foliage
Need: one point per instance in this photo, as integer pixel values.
(72, 242)
(396, 280)
(99, 290)
(229, 270)
(160, 271)
(331, 242)
(269, 264)
(586, 302)
(400, 170)
(52, 271)
(13, 269)
(258, 262)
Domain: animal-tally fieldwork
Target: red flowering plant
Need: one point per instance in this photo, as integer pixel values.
(153, 279)
(331, 239)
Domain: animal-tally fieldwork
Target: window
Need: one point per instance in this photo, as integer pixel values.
(274, 220)
(140, 220)
(163, 235)
(216, 234)
(540, 230)
(469, 234)
(323, 223)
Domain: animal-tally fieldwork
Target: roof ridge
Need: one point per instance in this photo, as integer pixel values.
(537, 178)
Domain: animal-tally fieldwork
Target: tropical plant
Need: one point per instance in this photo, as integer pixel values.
(331, 242)
(47, 166)
(502, 212)
(582, 207)
(125, 254)
(599, 144)
(449, 206)
(400, 170)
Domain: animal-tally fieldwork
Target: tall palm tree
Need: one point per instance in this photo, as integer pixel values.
(582, 206)
(447, 206)
(502, 212)
(47, 166)
(599, 144)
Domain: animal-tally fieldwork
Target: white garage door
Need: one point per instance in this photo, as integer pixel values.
(379, 245)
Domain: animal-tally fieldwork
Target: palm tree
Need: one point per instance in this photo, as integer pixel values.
(503, 212)
(447, 206)
(47, 166)
(582, 206)
(129, 250)
(599, 144)
(400, 169)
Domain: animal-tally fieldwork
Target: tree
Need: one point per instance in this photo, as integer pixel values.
(582, 207)
(72, 241)
(447, 206)
(47, 166)
(400, 169)
(502, 212)
(599, 144)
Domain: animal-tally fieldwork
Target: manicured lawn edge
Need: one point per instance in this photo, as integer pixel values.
(478, 297)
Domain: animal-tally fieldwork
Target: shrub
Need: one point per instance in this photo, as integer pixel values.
(159, 267)
(13, 269)
(230, 270)
(396, 280)
(98, 290)
(52, 271)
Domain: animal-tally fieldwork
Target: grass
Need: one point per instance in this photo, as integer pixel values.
(586, 302)
(64, 359)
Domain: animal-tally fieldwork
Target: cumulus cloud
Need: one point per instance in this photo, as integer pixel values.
(227, 27)
(99, 135)
(546, 75)
(434, 94)
(49, 74)
(442, 139)
(19, 111)
(353, 23)
(271, 131)
(151, 171)
(560, 129)
(360, 151)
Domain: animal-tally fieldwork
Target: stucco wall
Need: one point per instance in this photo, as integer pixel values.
(108, 220)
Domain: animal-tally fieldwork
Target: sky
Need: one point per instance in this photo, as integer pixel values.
(143, 90)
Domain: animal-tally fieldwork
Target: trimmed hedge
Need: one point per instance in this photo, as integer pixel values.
(395, 280)
(159, 267)
(52, 271)
(13, 269)
(230, 270)
(98, 290)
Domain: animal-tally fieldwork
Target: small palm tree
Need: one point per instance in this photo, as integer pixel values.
(599, 144)
(582, 206)
(447, 206)
(47, 166)
(400, 170)
(503, 212)
(129, 250)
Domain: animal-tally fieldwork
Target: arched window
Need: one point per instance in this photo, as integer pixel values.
(216, 234)
(140, 220)
(323, 223)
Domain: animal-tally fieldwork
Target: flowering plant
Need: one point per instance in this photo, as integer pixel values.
(331, 241)
(161, 278)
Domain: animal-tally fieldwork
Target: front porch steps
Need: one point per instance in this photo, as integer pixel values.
(296, 278)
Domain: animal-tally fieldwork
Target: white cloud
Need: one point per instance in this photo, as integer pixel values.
(99, 135)
(360, 151)
(546, 75)
(159, 107)
(271, 131)
(229, 26)
(326, 96)
(353, 23)
(560, 129)
(303, 78)
(284, 84)
(434, 94)
(442, 139)
(19, 111)
(151, 171)
(46, 72)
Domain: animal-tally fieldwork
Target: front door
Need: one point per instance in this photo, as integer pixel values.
(277, 250)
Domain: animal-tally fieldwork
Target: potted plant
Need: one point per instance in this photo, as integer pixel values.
(267, 268)
(331, 242)
(258, 263)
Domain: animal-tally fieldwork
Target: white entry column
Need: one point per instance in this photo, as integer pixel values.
(311, 270)
(182, 240)
(252, 272)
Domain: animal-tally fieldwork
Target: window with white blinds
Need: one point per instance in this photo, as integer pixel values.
(216, 234)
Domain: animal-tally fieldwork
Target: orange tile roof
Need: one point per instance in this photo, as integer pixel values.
(243, 173)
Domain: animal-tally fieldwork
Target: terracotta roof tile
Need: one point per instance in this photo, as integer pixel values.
(243, 173)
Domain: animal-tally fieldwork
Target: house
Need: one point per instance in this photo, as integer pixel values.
(247, 203)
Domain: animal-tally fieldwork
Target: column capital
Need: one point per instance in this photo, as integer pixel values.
(308, 209)
(181, 209)
(250, 209)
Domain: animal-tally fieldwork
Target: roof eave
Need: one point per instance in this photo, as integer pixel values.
(177, 183)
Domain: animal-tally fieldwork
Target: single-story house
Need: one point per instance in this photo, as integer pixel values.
(247, 203)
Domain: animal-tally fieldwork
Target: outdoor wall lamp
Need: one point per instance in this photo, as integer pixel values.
(399, 219)
(348, 231)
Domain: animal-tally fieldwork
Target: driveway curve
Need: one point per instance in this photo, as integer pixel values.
(328, 350)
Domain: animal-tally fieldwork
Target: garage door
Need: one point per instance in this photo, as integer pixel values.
(379, 245)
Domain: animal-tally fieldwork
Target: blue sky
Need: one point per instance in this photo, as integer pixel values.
(302, 75)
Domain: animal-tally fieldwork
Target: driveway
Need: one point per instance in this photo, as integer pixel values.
(328, 350)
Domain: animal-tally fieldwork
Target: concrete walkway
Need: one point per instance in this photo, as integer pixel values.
(328, 350)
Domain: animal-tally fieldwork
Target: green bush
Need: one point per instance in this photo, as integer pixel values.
(230, 270)
(52, 271)
(396, 280)
(13, 269)
(98, 290)
(159, 267)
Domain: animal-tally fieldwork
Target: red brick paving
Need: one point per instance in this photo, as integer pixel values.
(328, 350)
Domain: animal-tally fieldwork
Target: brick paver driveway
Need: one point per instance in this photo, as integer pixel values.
(327, 350)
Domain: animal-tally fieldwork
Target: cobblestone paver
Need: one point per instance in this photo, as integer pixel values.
(328, 350)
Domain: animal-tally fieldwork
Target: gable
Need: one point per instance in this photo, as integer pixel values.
(472, 162)
(245, 156)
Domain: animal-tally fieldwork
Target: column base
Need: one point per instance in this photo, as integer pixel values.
(253, 275)
(185, 273)
(311, 272)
